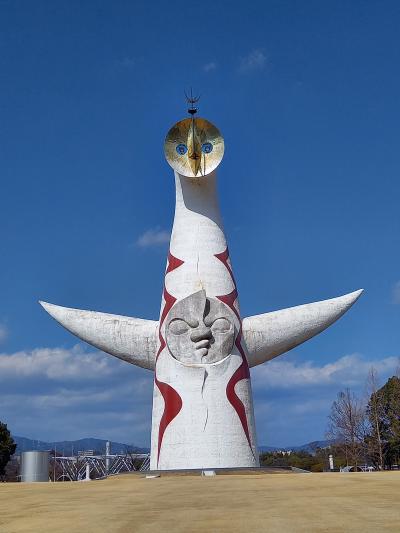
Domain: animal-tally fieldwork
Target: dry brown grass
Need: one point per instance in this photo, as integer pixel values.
(246, 503)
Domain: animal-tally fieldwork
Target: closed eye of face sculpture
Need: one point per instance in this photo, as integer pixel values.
(200, 330)
(194, 147)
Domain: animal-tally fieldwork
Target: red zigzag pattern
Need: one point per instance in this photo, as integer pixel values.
(172, 400)
(243, 371)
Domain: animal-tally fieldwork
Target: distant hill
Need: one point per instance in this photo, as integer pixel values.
(309, 447)
(70, 447)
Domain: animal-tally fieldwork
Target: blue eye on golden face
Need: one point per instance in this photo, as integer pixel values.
(207, 148)
(181, 149)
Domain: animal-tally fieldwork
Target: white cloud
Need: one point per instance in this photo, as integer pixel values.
(153, 237)
(3, 332)
(347, 371)
(58, 393)
(255, 60)
(127, 62)
(55, 364)
(396, 293)
(208, 67)
(293, 399)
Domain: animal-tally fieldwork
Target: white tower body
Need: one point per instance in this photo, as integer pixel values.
(202, 415)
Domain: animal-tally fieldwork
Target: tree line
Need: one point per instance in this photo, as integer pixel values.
(362, 431)
(367, 430)
(7, 449)
(299, 459)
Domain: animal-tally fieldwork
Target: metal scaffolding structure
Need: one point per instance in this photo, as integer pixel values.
(75, 468)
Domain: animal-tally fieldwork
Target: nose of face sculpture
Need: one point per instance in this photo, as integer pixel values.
(201, 337)
(194, 148)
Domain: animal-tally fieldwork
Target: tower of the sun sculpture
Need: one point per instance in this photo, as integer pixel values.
(200, 349)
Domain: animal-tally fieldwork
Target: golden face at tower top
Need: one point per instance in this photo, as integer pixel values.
(194, 147)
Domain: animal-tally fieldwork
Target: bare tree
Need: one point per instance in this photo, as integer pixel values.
(374, 413)
(347, 425)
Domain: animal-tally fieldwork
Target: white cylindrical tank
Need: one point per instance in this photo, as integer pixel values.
(35, 466)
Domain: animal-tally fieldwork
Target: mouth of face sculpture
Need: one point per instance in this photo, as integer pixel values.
(194, 147)
(203, 333)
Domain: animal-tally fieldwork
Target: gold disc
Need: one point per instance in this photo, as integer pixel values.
(194, 147)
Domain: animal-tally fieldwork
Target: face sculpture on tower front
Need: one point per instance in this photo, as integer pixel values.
(200, 349)
(200, 330)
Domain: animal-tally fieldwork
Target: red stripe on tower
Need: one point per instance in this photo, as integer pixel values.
(173, 263)
(243, 371)
(173, 404)
(172, 400)
(224, 258)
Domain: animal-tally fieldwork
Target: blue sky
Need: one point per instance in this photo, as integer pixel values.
(306, 95)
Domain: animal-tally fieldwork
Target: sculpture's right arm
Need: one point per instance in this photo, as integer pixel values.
(132, 339)
(272, 334)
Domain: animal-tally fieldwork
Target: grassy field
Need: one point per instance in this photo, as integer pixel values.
(237, 503)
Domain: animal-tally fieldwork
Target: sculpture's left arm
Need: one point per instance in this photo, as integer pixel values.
(131, 339)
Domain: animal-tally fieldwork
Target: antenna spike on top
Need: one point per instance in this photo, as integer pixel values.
(192, 100)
